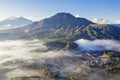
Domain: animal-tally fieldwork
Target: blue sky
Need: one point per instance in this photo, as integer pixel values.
(39, 9)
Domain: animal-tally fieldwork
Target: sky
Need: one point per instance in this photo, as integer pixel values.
(40, 9)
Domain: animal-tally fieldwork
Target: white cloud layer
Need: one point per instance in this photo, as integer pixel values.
(117, 21)
(98, 45)
(100, 20)
(105, 21)
(77, 15)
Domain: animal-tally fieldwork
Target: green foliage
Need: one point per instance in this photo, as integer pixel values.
(112, 66)
(46, 74)
(112, 69)
(65, 42)
(99, 32)
(74, 77)
(109, 53)
(89, 70)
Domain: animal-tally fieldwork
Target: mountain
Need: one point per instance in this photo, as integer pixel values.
(60, 25)
(14, 22)
(63, 26)
(60, 20)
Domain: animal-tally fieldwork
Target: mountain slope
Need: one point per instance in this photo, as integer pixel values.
(91, 32)
(100, 31)
(60, 25)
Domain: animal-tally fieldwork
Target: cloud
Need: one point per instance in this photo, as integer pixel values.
(77, 15)
(105, 21)
(18, 55)
(98, 45)
(100, 20)
(117, 21)
(17, 58)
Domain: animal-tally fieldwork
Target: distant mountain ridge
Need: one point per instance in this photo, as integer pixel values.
(14, 22)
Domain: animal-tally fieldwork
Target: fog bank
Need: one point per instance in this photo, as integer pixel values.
(98, 45)
(20, 58)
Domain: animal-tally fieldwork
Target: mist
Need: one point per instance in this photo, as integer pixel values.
(26, 57)
(98, 45)
(19, 58)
